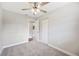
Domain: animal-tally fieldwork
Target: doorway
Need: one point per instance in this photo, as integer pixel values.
(36, 30)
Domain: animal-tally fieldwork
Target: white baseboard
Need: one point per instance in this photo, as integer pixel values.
(64, 51)
(6, 46)
(59, 49)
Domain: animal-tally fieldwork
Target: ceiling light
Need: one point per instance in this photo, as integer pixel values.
(34, 13)
(35, 10)
(38, 10)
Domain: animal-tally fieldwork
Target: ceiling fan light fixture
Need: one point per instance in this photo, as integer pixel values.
(38, 10)
(34, 13)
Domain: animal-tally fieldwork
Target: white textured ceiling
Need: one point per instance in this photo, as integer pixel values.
(17, 6)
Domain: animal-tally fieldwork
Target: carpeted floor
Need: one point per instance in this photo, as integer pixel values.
(33, 48)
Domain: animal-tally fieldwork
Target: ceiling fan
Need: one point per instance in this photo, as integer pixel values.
(36, 7)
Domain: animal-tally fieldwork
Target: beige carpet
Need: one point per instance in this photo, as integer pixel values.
(32, 48)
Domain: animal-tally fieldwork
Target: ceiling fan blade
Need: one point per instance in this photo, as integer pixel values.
(38, 4)
(35, 4)
(25, 9)
(44, 3)
(43, 11)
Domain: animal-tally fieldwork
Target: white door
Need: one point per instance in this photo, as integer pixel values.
(44, 31)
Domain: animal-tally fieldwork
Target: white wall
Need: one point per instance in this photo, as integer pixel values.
(44, 31)
(63, 26)
(0, 27)
(16, 28)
